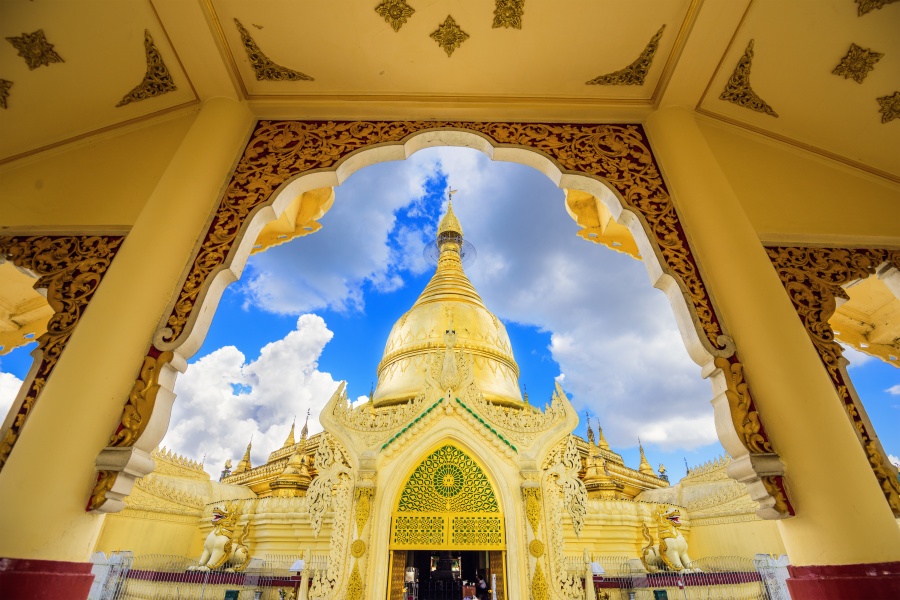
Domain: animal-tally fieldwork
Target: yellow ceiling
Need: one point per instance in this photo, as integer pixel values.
(362, 68)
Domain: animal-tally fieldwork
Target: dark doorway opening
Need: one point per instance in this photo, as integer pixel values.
(443, 574)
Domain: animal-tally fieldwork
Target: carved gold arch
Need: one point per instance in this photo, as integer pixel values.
(447, 502)
(617, 155)
(813, 279)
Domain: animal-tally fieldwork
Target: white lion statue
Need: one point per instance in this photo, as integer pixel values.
(671, 552)
(224, 548)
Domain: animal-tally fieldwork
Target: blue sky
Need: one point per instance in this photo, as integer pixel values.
(318, 310)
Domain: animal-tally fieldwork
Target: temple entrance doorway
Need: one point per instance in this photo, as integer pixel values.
(447, 574)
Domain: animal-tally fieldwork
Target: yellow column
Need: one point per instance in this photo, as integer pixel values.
(842, 516)
(45, 485)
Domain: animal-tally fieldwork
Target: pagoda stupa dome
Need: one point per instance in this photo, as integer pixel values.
(448, 303)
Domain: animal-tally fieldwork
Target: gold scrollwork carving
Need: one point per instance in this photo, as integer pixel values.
(264, 68)
(105, 482)
(395, 12)
(738, 90)
(141, 400)
(157, 81)
(533, 508)
(363, 507)
(775, 486)
(449, 36)
(355, 584)
(636, 72)
(890, 107)
(508, 13)
(35, 49)
(281, 150)
(813, 279)
(865, 6)
(5, 84)
(540, 589)
(743, 413)
(857, 63)
(70, 268)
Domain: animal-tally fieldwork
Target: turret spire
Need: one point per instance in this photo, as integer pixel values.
(245, 465)
(290, 438)
(645, 467)
(304, 433)
(590, 432)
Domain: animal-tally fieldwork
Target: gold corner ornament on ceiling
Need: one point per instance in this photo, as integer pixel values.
(738, 90)
(395, 12)
(449, 36)
(857, 63)
(4, 91)
(35, 49)
(157, 80)
(265, 69)
(890, 107)
(634, 73)
(866, 6)
(508, 13)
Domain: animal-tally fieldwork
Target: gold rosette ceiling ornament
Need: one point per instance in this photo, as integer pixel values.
(395, 12)
(449, 36)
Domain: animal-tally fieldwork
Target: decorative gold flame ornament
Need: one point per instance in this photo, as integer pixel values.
(890, 107)
(449, 36)
(141, 401)
(857, 63)
(157, 81)
(395, 12)
(70, 268)
(738, 90)
(866, 6)
(508, 13)
(35, 49)
(4, 91)
(634, 73)
(263, 66)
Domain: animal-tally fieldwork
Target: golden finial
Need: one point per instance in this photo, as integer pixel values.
(645, 466)
(525, 395)
(304, 433)
(449, 223)
(290, 438)
(590, 432)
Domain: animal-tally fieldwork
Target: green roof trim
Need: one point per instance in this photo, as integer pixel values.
(487, 425)
(411, 423)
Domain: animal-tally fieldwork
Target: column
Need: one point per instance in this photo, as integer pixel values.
(45, 485)
(843, 526)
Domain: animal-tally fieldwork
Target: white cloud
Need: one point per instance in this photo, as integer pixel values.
(856, 358)
(894, 460)
(894, 390)
(9, 388)
(223, 399)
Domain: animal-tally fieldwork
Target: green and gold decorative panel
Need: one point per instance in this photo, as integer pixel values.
(453, 502)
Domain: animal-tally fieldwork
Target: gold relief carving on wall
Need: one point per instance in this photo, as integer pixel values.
(890, 107)
(449, 36)
(5, 84)
(35, 49)
(264, 68)
(533, 508)
(508, 13)
(69, 268)
(813, 279)
(363, 507)
(634, 73)
(105, 482)
(865, 6)
(738, 90)
(157, 81)
(857, 63)
(540, 589)
(141, 400)
(395, 12)
(744, 416)
(775, 487)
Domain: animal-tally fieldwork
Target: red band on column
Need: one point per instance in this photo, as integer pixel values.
(25, 579)
(871, 581)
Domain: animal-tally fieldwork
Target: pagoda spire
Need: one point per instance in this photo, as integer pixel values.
(601, 439)
(590, 432)
(245, 465)
(304, 433)
(290, 438)
(645, 467)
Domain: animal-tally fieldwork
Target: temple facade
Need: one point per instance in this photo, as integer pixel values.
(432, 468)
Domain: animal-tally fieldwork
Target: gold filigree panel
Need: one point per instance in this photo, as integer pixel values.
(69, 268)
(738, 90)
(813, 279)
(865, 6)
(157, 80)
(5, 85)
(448, 480)
(264, 68)
(636, 72)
